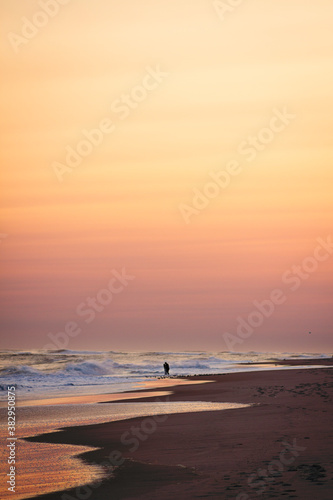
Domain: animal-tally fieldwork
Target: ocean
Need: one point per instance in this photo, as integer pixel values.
(41, 376)
(64, 372)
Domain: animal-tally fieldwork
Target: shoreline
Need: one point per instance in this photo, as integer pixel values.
(294, 362)
(215, 454)
(168, 382)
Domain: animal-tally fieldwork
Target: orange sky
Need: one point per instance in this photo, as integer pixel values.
(179, 93)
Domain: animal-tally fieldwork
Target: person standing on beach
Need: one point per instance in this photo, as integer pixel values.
(166, 368)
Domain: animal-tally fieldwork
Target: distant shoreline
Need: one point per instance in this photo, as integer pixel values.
(294, 362)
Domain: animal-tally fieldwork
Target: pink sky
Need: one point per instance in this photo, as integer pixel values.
(254, 89)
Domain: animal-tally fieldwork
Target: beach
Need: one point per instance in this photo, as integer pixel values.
(280, 446)
(167, 250)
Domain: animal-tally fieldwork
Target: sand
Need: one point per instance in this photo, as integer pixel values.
(279, 447)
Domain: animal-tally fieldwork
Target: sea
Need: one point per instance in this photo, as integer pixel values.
(42, 376)
(38, 373)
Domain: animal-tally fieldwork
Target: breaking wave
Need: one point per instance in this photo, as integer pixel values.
(43, 370)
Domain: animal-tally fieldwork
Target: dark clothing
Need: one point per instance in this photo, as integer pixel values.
(166, 368)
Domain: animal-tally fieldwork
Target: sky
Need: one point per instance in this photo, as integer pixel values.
(166, 175)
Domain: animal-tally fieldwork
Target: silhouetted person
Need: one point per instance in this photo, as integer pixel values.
(166, 368)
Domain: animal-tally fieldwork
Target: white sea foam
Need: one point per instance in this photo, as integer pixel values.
(67, 371)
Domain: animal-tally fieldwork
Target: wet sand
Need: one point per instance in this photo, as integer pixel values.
(280, 447)
(42, 467)
(138, 393)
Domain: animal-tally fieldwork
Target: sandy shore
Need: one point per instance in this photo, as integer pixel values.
(280, 447)
(294, 362)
